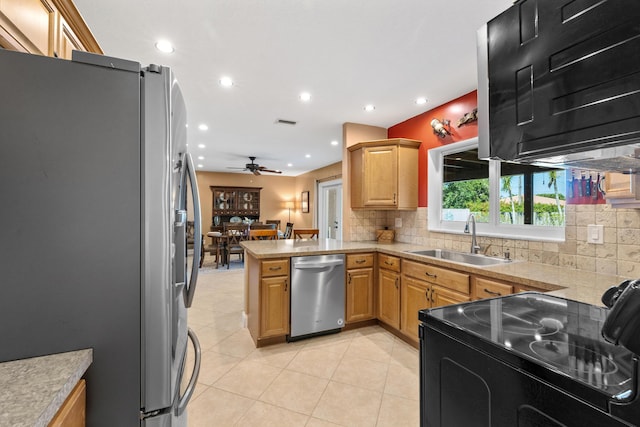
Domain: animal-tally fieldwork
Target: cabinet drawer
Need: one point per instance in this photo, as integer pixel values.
(485, 288)
(359, 261)
(439, 276)
(275, 267)
(389, 262)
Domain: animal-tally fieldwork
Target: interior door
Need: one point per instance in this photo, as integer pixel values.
(330, 209)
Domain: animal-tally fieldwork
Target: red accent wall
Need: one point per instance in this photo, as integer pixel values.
(419, 127)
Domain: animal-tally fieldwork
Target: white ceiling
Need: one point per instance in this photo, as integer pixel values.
(346, 53)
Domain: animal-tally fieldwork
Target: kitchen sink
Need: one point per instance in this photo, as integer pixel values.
(462, 257)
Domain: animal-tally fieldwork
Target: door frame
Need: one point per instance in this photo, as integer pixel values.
(320, 215)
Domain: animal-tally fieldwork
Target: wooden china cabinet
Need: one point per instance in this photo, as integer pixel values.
(229, 202)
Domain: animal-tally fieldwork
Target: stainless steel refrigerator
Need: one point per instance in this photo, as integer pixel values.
(96, 189)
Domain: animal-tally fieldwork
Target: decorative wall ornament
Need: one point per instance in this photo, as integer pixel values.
(468, 118)
(441, 128)
(305, 202)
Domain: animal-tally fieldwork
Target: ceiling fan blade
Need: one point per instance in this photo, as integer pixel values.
(256, 172)
(263, 169)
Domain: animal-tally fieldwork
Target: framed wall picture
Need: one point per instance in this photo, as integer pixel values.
(305, 202)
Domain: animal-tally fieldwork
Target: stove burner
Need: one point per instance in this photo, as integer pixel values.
(574, 359)
(520, 324)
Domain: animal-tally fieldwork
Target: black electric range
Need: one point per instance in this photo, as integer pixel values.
(528, 359)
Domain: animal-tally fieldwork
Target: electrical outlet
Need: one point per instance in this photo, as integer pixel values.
(595, 234)
(398, 223)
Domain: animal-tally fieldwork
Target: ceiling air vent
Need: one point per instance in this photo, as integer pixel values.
(285, 122)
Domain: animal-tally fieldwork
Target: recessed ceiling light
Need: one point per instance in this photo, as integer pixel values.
(200, 166)
(334, 142)
(289, 165)
(308, 156)
(164, 46)
(421, 101)
(202, 126)
(226, 81)
(201, 146)
(200, 157)
(369, 107)
(305, 96)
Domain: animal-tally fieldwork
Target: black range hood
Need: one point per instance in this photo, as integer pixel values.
(559, 84)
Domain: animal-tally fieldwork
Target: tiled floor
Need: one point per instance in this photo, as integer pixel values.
(364, 377)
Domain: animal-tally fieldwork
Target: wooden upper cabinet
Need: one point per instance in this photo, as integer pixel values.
(384, 174)
(44, 27)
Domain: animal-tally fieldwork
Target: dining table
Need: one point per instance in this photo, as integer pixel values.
(220, 243)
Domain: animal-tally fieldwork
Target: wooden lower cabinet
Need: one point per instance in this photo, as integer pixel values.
(486, 288)
(359, 288)
(267, 298)
(426, 286)
(72, 413)
(274, 306)
(414, 296)
(389, 298)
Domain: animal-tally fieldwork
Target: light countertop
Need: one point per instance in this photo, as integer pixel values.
(33, 390)
(572, 284)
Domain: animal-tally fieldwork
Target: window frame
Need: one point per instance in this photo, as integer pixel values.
(493, 228)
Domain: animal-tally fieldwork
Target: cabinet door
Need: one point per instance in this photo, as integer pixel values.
(441, 296)
(274, 306)
(73, 410)
(359, 295)
(414, 296)
(380, 176)
(389, 298)
(618, 185)
(67, 40)
(35, 22)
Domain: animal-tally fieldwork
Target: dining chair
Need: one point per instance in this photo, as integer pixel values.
(255, 226)
(266, 234)
(236, 233)
(288, 231)
(274, 221)
(306, 233)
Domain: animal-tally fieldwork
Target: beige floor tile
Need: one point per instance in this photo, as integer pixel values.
(402, 381)
(265, 415)
(214, 365)
(369, 348)
(249, 379)
(315, 422)
(239, 344)
(335, 343)
(215, 407)
(398, 412)
(295, 391)
(200, 316)
(317, 362)
(348, 405)
(405, 355)
(363, 373)
(209, 336)
(276, 355)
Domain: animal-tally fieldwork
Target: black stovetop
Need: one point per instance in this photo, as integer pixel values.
(554, 333)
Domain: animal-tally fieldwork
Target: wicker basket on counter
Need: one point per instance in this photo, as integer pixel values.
(385, 236)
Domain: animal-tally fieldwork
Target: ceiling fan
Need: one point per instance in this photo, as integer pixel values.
(255, 168)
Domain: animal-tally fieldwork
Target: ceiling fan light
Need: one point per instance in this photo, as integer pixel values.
(226, 81)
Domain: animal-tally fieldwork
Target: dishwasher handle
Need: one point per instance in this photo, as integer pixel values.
(317, 265)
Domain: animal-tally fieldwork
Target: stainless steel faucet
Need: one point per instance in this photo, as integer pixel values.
(474, 241)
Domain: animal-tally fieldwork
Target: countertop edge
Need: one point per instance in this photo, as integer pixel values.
(84, 361)
(34, 389)
(568, 283)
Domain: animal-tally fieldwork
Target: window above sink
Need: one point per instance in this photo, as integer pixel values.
(508, 200)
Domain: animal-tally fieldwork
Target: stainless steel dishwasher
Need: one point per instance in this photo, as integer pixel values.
(317, 295)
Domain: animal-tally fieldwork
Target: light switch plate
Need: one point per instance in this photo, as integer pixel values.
(595, 234)
(398, 223)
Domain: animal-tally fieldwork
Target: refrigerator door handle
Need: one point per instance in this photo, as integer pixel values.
(186, 397)
(197, 227)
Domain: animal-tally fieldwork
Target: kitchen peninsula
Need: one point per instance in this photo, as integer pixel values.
(267, 283)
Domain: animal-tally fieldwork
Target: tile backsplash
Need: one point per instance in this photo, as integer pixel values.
(620, 253)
